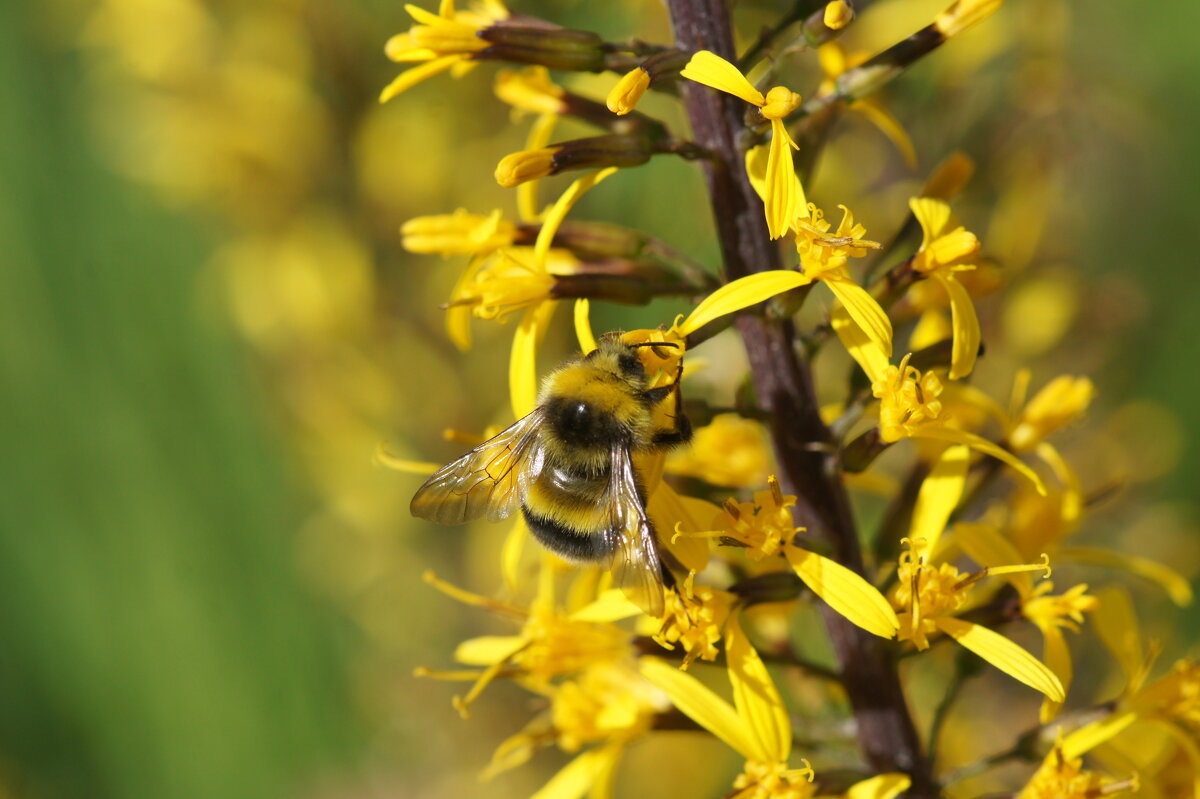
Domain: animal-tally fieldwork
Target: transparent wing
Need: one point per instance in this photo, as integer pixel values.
(490, 480)
(636, 568)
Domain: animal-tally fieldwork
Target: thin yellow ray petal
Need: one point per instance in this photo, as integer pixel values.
(845, 591)
(527, 192)
(1004, 654)
(932, 214)
(1089, 736)
(741, 293)
(865, 311)
(1176, 586)
(939, 495)
(559, 211)
(780, 200)
(1116, 622)
(701, 705)
(889, 126)
(865, 351)
(755, 696)
(522, 364)
(980, 444)
(712, 70)
(882, 786)
(1057, 658)
(576, 778)
(488, 650)
(756, 169)
(583, 326)
(611, 605)
(411, 77)
(668, 509)
(511, 552)
(965, 323)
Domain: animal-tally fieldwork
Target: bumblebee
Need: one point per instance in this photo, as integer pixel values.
(569, 466)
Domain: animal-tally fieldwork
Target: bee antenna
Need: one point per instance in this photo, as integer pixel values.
(670, 344)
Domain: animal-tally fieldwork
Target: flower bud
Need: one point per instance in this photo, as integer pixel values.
(628, 91)
(963, 14)
(556, 48)
(596, 152)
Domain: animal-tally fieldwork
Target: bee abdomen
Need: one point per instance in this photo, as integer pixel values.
(570, 543)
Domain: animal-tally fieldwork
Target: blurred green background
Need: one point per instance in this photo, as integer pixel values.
(158, 637)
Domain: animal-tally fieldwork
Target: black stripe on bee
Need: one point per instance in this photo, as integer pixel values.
(569, 544)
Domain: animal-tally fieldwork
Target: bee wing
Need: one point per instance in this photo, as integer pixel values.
(489, 480)
(637, 568)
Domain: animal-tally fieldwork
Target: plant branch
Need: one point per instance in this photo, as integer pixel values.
(886, 733)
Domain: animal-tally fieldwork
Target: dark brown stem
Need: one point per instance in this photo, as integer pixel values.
(886, 733)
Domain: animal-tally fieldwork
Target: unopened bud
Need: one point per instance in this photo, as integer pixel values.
(628, 91)
(827, 23)
(963, 14)
(596, 152)
(556, 48)
(838, 15)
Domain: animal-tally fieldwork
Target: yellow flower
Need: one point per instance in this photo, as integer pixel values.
(730, 451)
(694, 620)
(460, 233)
(625, 95)
(439, 42)
(910, 407)
(928, 598)
(608, 700)
(711, 70)
(551, 643)
(756, 725)
(945, 251)
(963, 14)
(1063, 777)
(1060, 402)
(765, 528)
(823, 257)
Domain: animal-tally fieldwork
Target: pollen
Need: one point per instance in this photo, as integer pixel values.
(1060, 777)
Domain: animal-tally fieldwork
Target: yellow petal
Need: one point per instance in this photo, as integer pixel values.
(756, 169)
(539, 137)
(701, 705)
(933, 215)
(583, 326)
(1004, 654)
(985, 545)
(611, 605)
(756, 698)
(1117, 625)
(1089, 736)
(522, 364)
(560, 210)
(510, 555)
(488, 650)
(1058, 659)
(780, 202)
(939, 495)
(741, 293)
(667, 510)
(712, 70)
(882, 786)
(866, 352)
(1189, 748)
(577, 777)
(845, 591)
(1176, 586)
(890, 127)
(965, 323)
(981, 444)
(865, 312)
(411, 77)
